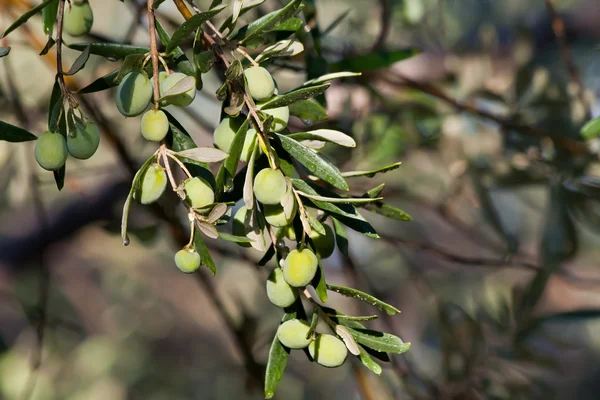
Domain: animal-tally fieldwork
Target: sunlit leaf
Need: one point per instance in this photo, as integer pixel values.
(364, 297)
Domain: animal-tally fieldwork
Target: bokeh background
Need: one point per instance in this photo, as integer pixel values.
(497, 276)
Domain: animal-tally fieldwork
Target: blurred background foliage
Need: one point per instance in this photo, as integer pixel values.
(496, 276)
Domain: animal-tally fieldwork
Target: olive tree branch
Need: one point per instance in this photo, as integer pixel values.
(153, 51)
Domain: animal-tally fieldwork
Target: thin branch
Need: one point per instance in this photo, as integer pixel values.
(385, 18)
(153, 51)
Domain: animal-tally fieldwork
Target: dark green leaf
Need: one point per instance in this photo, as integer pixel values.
(79, 62)
(320, 284)
(201, 248)
(365, 297)
(294, 96)
(329, 77)
(355, 318)
(341, 237)
(233, 238)
(14, 134)
(313, 162)
(4, 51)
(59, 177)
(289, 25)
(105, 82)
(368, 361)
(190, 26)
(133, 62)
(135, 184)
(111, 51)
(373, 172)
(267, 22)
(157, 3)
(55, 107)
(49, 16)
(325, 135)
(23, 18)
(204, 61)
(372, 61)
(178, 56)
(388, 211)
(308, 111)
(248, 5)
(229, 167)
(591, 129)
(234, 70)
(278, 356)
(379, 341)
(49, 44)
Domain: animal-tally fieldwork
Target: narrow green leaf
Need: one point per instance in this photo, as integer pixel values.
(237, 9)
(308, 111)
(368, 361)
(157, 3)
(131, 63)
(591, 129)
(356, 318)
(4, 51)
(233, 238)
(49, 44)
(379, 341)
(14, 134)
(341, 200)
(376, 191)
(200, 247)
(248, 5)
(135, 184)
(267, 22)
(341, 237)
(204, 154)
(278, 357)
(49, 16)
(187, 83)
(283, 48)
(55, 107)
(111, 51)
(372, 61)
(326, 135)
(330, 77)
(313, 325)
(105, 82)
(313, 162)
(79, 63)
(388, 211)
(23, 18)
(320, 284)
(294, 96)
(229, 167)
(189, 26)
(248, 191)
(373, 172)
(59, 177)
(177, 55)
(364, 297)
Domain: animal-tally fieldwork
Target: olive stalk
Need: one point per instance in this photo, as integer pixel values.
(153, 52)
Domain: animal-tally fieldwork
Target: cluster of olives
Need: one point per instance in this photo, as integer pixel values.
(135, 93)
(51, 149)
(327, 350)
(78, 18)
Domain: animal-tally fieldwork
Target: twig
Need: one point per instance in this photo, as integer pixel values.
(153, 51)
(385, 18)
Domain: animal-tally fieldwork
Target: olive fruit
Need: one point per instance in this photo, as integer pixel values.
(300, 267)
(239, 224)
(155, 125)
(225, 133)
(248, 145)
(181, 100)
(292, 334)
(260, 83)
(83, 143)
(328, 351)
(324, 244)
(199, 192)
(51, 151)
(269, 186)
(153, 184)
(78, 18)
(134, 93)
(187, 260)
(278, 291)
(275, 215)
(281, 116)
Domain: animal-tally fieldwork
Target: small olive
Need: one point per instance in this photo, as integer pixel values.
(328, 351)
(152, 186)
(269, 186)
(134, 93)
(78, 18)
(181, 100)
(300, 267)
(187, 260)
(154, 125)
(260, 83)
(279, 292)
(83, 143)
(199, 192)
(51, 151)
(292, 334)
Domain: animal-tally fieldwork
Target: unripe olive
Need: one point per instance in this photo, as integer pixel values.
(187, 260)
(162, 75)
(239, 226)
(155, 125)
(248, 145)
(328, 351)
(181, 100)
(300, 267)
(225, 133)
(269, 186)
(281, 117)
(199, 192)
(83, 143)
(292, 334)
(260, 83)
(324, 244)
(153, 184)
(275, 215)
(134, 94)
(78, 18)
(279, 292)
(51, 151)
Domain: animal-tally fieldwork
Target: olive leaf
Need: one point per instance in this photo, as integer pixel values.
(320, 285)
(278, 357)
(341, 237)
(372, 61)
(348, 339)
(208, 229)
(190, 26)
(14, 134)
(364, 297)
(187, 83)
(135, 184)
(372, 173)
(355, 318)
(177, 55)
(49, 44)
(368, 361)
(234, 239)
(80, 62)
(591, 129)
(376, 191)
(388, 211)
(25, 17)
(247, 6)
(111, 51)
(130, 63)
(308, 110)
(49, 16)
(248, 182)
(379, 341)
(327, 135)
(104, 82)
(313, 162)
(313, 325)
(283, 48)
(217, 212)
(234, 71)
(267, 22)
(295, 95)
(237, 9)
(203, 154)
(200, 247)
(316, 225)
(4, 51)
(229, 167)
(342, 200)
(330, 77)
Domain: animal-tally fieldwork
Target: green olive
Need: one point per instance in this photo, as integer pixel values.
(187, 260)
(300, 267)
(275, 215)
(260, 83)
(328, 351)
(83, 143)
(134, 93)
(155, 125)
(225, 133)
(199, 192)
(153, 184)
(78, 18)
(278, 291)
(248, 145)
(51, 151)
(269, 186)
(281, 117)
(181, 100)
(324, 244)
(292, 334)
